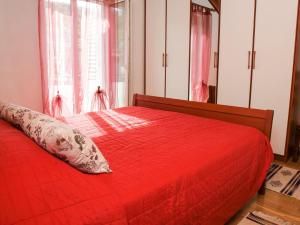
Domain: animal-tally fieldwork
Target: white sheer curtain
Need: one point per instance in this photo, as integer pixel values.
(84, 44)
(201, 31)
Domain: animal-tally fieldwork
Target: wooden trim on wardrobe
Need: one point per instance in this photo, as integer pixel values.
(296, 57)
(166, 47)
(189, 74)
(253, 49)
(216, 4)
(129, 54)
(218, 67)
(145, 44)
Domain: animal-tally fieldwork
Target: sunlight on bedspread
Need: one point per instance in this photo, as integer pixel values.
(121, 122)
(90, 124)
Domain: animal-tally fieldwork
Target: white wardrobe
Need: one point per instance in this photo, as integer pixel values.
(167, 48)
(256, 59)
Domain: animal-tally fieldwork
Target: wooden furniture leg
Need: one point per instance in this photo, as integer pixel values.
(297, 150)
(262, 189)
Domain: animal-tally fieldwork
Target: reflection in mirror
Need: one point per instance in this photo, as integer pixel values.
(204, 51)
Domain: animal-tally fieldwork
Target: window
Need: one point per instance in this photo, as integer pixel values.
(84, 44)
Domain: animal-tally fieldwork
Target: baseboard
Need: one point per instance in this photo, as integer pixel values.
(280, 157)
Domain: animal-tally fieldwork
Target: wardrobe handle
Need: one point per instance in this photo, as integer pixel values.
(163, 60)
(249, 59)
(254, 60)
(166, 61)
(215, 60)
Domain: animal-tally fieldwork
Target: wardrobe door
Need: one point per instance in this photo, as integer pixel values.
(236, 39)
(273, 68)
(178, 41)
(214, 49)
(155, 47)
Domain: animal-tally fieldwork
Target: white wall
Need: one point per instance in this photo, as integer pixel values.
(136, 71)
(20, 81)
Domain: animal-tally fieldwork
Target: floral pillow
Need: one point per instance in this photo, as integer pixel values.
(2, 105)
(57, 138)
(9, 112)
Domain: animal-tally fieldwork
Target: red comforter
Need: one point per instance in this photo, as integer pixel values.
(168, 168)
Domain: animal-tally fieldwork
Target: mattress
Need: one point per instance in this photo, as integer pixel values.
(168, 168)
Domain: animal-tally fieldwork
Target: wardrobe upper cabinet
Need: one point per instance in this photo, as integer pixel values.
(167, 48)
(178, 48)
(236, 38)
(155, 47)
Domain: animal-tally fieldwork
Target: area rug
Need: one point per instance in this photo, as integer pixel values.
(284, 180)
(256, 217)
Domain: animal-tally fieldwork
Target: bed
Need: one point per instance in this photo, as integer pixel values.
(173, 162)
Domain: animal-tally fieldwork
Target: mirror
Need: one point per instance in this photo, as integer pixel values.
(203, 51)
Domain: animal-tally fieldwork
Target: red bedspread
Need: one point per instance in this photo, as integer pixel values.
(168, 168)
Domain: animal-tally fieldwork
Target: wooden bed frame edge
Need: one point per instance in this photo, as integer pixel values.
(260, 119)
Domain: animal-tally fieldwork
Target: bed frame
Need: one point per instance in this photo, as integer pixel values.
(260, 119)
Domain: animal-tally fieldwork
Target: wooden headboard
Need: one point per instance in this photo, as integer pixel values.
(260, 119)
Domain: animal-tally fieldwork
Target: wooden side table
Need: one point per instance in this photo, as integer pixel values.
(297, 147)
